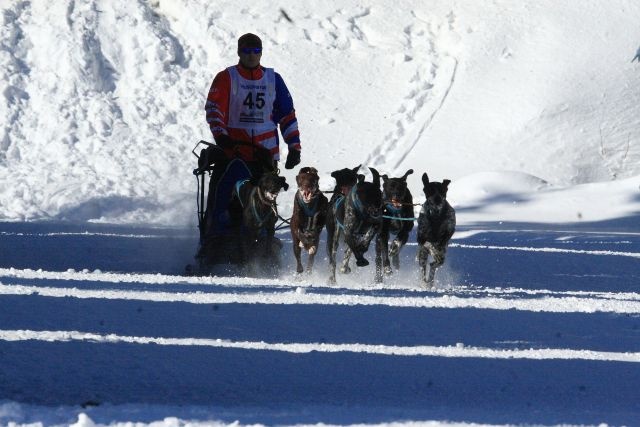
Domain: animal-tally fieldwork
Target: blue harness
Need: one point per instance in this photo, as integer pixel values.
(254, 211)
(309, 211)
(395, 213)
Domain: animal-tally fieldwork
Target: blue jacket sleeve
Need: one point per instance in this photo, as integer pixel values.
(285, 115)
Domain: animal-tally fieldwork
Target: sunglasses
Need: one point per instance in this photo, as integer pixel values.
(248, 50)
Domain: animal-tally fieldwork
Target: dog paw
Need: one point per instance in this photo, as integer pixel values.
(301, 245)
(428, 285)
(388, 271)
(345, 269)
(428, 282)
(332, 281)
(378, 279)
(362, 262)
(312, 250)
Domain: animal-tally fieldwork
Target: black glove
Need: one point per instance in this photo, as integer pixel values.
(293, 158)
(208, 157)
(224, 141)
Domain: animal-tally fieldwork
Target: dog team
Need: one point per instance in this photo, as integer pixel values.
(357, 212)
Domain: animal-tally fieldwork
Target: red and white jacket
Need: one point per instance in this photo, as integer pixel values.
(249, 105)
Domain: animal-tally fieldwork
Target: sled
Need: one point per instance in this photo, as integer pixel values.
(219, 224)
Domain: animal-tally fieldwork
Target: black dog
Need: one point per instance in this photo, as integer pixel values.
(436, 225)
(255, 206)
(363, 220)
(398, 218)
(345, 180)
(309, 216)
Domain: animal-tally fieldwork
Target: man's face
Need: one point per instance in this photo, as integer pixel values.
(250, 56)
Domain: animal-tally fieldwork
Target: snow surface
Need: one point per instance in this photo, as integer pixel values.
(532, 110)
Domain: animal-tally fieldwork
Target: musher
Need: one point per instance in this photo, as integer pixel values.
(245, 105)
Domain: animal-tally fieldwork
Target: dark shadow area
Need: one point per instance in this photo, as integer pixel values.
(485, 391)
(59, 246)
(99, 207)
(494, 199)
(557, 271)
(629, 223)
(380, 388)
(402, 326)
(544, 270)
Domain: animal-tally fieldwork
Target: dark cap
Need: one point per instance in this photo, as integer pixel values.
(249, 40)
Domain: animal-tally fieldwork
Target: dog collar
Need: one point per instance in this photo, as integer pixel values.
(392, 209)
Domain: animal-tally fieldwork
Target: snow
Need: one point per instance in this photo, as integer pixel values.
(530, 108)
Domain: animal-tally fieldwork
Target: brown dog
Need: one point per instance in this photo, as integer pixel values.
(309, 216)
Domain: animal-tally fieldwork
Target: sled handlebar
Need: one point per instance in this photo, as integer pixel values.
(200, 170)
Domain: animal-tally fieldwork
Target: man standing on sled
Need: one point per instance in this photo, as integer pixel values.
(245, 105)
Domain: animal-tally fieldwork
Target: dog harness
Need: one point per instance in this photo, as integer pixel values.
(364, 228)
(310, 212)
(357, 205)
(239, 185)
(395, 213)
(254, 210)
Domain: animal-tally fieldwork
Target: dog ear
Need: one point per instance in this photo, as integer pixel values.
(409, 172)
(283, 183)
(376, 177)
(384, 177)
(425, 179)
(357, 168)
(334, 174)
(445, 184)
